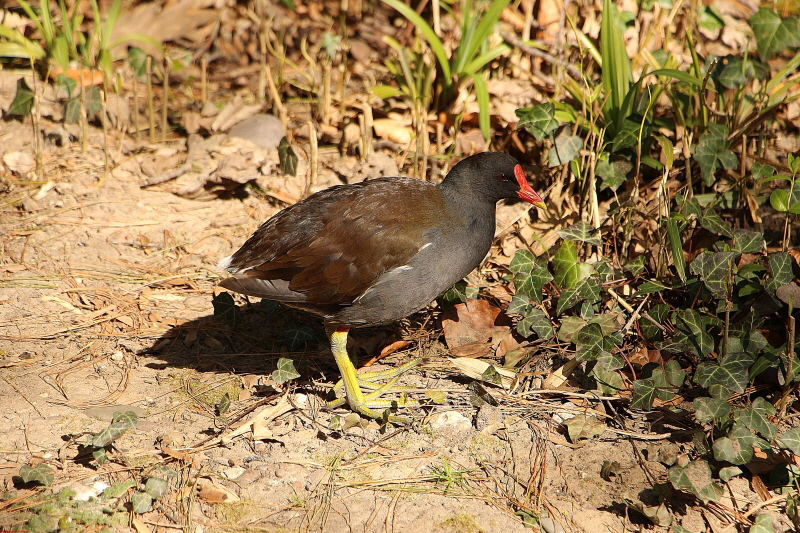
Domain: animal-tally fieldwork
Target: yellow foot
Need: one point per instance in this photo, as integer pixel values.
(368, 405)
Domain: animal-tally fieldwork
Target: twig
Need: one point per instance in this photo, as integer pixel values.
(630, 309)
(755, 509)
(192, 144)
(24, 397)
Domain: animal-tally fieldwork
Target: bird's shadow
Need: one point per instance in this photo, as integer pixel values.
(251, 338)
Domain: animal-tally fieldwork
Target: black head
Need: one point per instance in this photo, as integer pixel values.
(491, 176)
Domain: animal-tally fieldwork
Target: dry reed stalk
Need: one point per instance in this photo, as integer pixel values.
(313, 164)
(165, 99)
(150, 111)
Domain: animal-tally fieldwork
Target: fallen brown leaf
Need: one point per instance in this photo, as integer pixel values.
(472, 321)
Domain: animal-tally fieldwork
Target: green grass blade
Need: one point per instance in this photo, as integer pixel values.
(427, 32)
(484, 115)
(37, 20)
(782, 74)
(617, 75)
(678, 75)
(19, 45)
(486, 26)
(674, 240)
(482, 60)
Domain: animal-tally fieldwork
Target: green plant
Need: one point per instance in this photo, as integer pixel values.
(64, 40)
(101, 443)
(447, 475)
(465, 65)
(707, 328)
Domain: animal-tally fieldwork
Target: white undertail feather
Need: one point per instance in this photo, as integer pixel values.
(224, 263)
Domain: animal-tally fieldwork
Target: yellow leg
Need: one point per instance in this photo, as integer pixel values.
(358, 402)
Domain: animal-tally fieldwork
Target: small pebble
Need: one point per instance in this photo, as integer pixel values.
(452, 420)
(265, 131)
(117, 356)
(550, 526)
(233, 472)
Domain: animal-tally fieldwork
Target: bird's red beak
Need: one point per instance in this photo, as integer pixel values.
(525, 191)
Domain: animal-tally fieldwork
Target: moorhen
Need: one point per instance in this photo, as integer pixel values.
(374, 252)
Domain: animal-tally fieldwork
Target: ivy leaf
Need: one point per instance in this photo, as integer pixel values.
(530, 274)
(710, 410)
(748, 242)
(651, 286)
(613, 173)
(520, 304)
(118, 489)
(287, 158)
(570, 326)
(587, 289)
(762, 524)
(780, 269)
(67, 84)
(762, 170)
(692, 333)
(584, 427)
(565, 265)
(714, 223)
(773, 34)
(696, 478)
(730, 373)
(40, 473)
(72, 111)
(296, 337)
(100, 455)
(539, 120)
(226, 310)
(455, 294)
(657, 514)
(736, 447)
(536, 321)
(790, 441)
(224, 404)
(522, 262)
(605, 372)
(756, 417)
(92, 101)
(137, 59)
(630, 133)
(714, 268)
(120, 423)
(285, 371)
(651, 331)
(566, 147)
(156, 487)
(141, 502)
(491, 375)
(713, 151)
(727, 473)
(23, 100)
(665, 379)
(644, 392)
(583, 232)
(590, 343)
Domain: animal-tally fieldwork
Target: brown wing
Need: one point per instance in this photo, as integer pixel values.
(335, 244)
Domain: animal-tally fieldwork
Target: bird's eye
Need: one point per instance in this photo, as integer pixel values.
(502, 177)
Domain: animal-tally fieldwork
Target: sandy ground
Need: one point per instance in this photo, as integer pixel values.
(106, 305)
